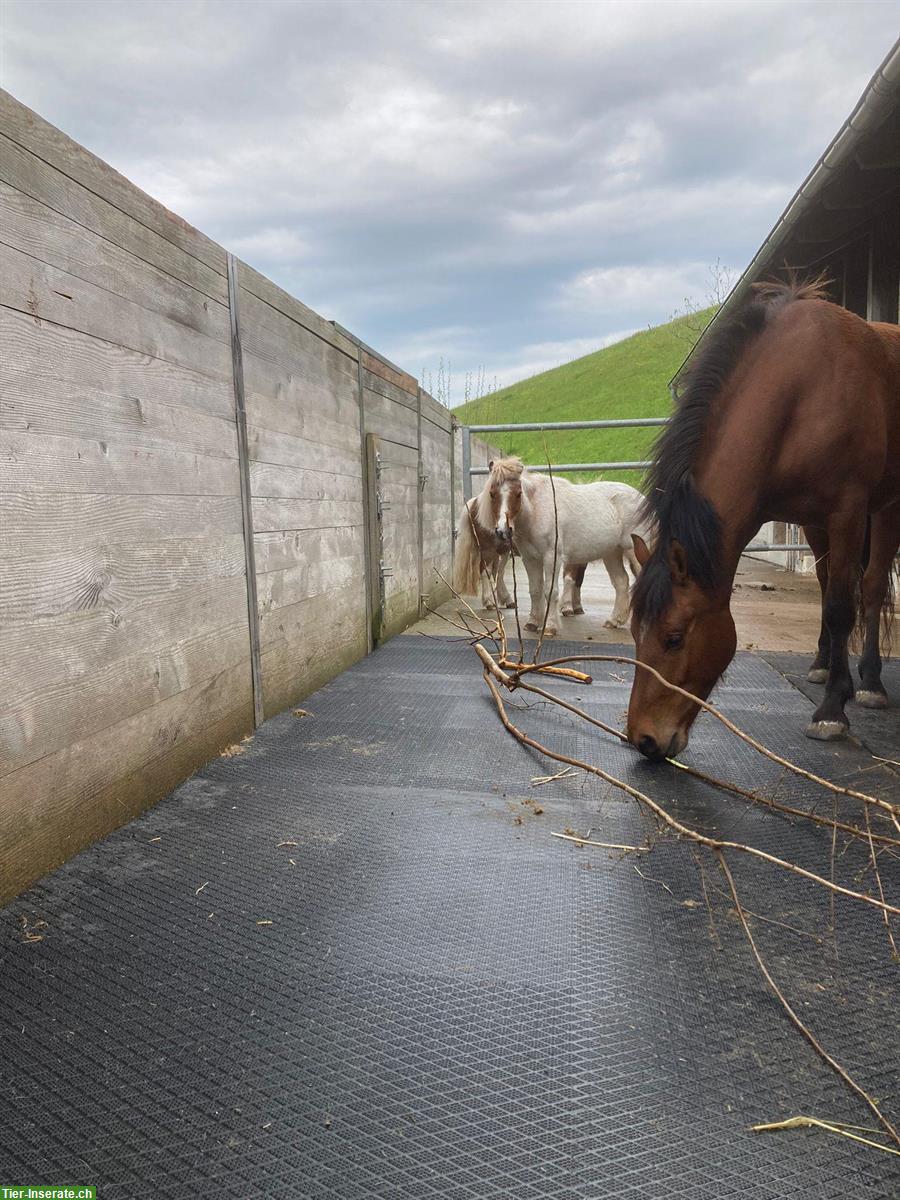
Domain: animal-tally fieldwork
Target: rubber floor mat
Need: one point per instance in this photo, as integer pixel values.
(350, 961)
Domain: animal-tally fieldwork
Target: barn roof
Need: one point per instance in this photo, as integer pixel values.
(853, 190)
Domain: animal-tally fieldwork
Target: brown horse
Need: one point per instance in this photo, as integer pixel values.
(790, 412)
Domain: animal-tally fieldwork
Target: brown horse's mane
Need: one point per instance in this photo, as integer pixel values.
(674, 507)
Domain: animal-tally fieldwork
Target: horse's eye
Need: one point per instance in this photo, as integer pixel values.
(673, 641)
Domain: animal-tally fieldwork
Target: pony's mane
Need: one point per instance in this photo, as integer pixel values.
(674, 508)
(503, 469)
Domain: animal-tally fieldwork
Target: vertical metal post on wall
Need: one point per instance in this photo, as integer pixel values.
(366, 485)
(467, 462)
(240, 416)
(421, 480)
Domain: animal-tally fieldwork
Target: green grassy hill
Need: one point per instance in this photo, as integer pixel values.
(628, 379)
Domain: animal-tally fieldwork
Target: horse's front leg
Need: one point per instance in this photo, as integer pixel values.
(550, 606)
(875, 587)
(504, 599)
(818, 543)
(619, 578)
(534, 567)
(846, 535)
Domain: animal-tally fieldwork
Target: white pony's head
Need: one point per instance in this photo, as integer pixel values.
(501, 498)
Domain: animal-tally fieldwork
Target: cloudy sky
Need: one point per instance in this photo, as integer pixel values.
(503, 185)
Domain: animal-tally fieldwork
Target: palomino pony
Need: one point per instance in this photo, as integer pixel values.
(594, 520)
(791, 412)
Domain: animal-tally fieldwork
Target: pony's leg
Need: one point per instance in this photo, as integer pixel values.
(846, 536)
(504, 599)
(535, 569)
(577, 608)
(818, 543)
(550, 605)
(619, 579)
(486, 599)
(633, 565)
(885, 539)
(569, 590)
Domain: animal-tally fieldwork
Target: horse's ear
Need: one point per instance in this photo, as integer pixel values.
(491, 465)
(641, 551)
(678, 564)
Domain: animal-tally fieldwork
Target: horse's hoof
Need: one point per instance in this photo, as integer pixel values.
(509, 604)
(531, 626)
(610, 624)
(868, 699)
(579, 612)
(551, 631)
(826, 731)
(817, 675)
(567, 612)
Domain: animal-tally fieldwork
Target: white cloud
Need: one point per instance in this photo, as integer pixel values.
(459, 178)
(636, 288)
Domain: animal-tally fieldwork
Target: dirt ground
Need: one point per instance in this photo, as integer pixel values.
(774, 609)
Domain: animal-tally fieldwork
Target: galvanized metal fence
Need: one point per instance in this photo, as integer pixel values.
(794, 547)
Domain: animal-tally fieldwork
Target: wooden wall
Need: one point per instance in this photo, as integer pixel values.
(126, 628)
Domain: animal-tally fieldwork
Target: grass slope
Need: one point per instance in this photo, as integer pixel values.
(628, 379)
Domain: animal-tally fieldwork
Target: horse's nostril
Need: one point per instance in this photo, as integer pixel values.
(648, 746)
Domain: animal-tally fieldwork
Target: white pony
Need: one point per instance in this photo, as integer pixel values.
(594, 521)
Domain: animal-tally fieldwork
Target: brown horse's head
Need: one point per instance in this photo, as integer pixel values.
(683, 629)
(501, 500)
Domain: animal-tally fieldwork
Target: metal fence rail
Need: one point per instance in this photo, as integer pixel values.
(468, 471)
(539, 426)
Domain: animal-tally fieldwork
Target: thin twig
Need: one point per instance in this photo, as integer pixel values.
(807, 1033)
(893, 809)
(656, 881)
(540, 641)
(829, 1126)
(584, 841)
(877, 874)
(667, 818)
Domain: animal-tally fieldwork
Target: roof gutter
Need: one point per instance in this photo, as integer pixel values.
(870, 109)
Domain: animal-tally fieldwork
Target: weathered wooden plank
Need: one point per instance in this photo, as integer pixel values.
(111, 577)
(273, 480)
(437, 414)
(375, 365)
(392, 422)
(90, 362)
(49, 294)
(32, 132)
(275, 514)
(42, 522)
(44, 234)
(401, 610)
(382, 387)
(311, 642)
(45, 651)
(288, 404)
(33, 402)
(295, 310)
(67, 464)
(52, 808)
(280, 589)
(281, 449)
(34, 177)
(45, 712)
(283, 549)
